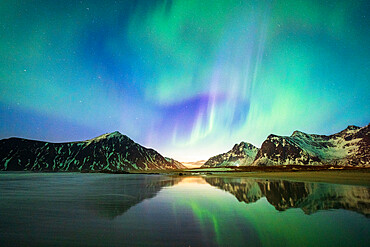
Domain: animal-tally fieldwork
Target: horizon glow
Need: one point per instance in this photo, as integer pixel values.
(187, 78)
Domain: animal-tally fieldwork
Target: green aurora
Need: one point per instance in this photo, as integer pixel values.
(225, 221)
(188, 78)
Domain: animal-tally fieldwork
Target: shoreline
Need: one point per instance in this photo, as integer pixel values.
(319, 174)
(359, 178)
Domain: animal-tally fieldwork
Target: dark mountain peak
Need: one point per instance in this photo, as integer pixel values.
(239, 146)
(115, 133)
(108, 136)
(298, 133)
(270, 136)
(273, 138)
(352, 127)
(350, 130)
(242, 147)
(12, 138)
(112, 134)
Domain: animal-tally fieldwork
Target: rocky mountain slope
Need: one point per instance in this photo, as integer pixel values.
(241, 154)
(175, 163)
(348, 147)
(112, 152)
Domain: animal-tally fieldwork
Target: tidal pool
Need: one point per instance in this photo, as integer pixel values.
(73, 209)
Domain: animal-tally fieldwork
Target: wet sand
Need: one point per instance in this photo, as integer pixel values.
(348, 175)
(356, 177)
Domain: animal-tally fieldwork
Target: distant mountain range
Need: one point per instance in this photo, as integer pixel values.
(115, 152)
(194, 164)
(348, 147)
(112, 152)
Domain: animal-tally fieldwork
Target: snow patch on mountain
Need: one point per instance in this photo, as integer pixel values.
(241, 154)
(111, 152)
(102, 137)
(348, 147)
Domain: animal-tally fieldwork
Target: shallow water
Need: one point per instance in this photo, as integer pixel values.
(73, 209)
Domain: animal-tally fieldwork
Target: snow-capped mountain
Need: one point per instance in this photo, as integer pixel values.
(241, 154)
(348, 147)
(112, 152)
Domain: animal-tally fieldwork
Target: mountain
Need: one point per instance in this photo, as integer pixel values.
(348, 147)
(194, 164)
(351, 146)
(112, 152)
(309, 197)
(175, 163)
(241, 154)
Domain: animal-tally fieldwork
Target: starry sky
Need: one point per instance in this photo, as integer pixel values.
(188, 78)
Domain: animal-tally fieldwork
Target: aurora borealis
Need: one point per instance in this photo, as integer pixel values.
(187, 78)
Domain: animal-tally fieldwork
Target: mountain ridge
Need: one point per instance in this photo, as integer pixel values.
(110, 152)
(350, 146)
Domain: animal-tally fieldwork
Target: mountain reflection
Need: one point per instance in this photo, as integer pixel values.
(310, 197)
(110, 198)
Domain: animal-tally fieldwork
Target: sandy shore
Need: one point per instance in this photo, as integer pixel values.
(351, 176)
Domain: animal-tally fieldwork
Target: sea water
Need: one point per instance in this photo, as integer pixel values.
(74, 209)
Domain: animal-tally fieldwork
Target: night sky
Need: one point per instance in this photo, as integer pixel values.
(189, 78)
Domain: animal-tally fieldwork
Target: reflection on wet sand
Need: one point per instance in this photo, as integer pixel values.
(282, 194)
(121, 194)
(68, 209)
(310, 197)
